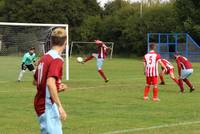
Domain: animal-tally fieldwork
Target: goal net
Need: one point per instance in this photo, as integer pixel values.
(17, 38)
(80, 48)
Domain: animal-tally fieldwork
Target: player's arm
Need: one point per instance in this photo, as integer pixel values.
(35, 78)
(23, 61)
(51, 83)
(179, 66)
(144, 68)
(24, 58)
(53, 75)
(34, 60)
(162, 65)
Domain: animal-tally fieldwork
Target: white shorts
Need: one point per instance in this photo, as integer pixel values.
(185, 73)
(50, 121)
(99, 61)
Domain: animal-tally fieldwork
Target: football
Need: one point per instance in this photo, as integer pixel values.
(79, 59)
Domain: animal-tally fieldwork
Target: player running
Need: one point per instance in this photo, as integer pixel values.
(184, 71)
(48, 77)
(27, 62)
(100, 57)
(170, 71)
(151, 60)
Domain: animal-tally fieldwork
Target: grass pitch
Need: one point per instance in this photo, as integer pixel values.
(94, 107)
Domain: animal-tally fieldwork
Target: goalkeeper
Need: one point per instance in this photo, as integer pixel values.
(27, 62)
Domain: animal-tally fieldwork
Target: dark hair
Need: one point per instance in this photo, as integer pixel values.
(152, 46)
(58, 41)
(31, 48)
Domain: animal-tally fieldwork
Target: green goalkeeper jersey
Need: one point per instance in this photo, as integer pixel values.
(28, 59)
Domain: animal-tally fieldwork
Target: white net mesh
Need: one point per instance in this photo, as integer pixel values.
(16, 40)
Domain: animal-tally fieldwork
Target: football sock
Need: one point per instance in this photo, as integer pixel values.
(161, 78)
(188, 83)
(175, 80)
(88, 58)
(181, 85)
(102, 74)
(155, 92)
(146, 91)
(21, 75)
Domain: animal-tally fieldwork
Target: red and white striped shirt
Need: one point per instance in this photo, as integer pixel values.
(102, 49)
(167, 64)
(151, 63)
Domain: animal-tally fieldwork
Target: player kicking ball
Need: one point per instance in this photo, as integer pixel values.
(184, 71)
(47, 78)
(151, 60)
(169, 71)
(27, 62)
(100, 57)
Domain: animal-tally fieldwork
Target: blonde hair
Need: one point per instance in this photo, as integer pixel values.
(58, 37)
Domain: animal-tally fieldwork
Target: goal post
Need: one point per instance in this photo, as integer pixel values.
(83, 45)
(17, 38)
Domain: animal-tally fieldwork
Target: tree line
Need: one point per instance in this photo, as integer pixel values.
(118, 21)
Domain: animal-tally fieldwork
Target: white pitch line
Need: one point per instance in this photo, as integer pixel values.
(78, 88)
(152, 127)
(70, 89)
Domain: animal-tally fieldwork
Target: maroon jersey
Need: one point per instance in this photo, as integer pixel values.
(151, 64)
(102, 49)
(50, 65)
(183, 63)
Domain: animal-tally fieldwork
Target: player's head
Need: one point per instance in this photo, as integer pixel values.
(59, 38)
(31, 50)
(98, 42)
(152, 46)
(176, 55)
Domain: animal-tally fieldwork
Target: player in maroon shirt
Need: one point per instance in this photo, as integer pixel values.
(100, 57)
(47, 78)
(184, 71)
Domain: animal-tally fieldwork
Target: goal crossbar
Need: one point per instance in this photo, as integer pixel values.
(32, 24)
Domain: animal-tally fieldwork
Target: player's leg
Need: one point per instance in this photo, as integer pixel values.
(161, 74)
(173, 77)
(90, 57)
(181, 85)
(31, 68)
(100, 71)
(147, 88)
(155, 88)
(54, 125)
(21, 74)
(43, 124)
(184, 75)
(189, 84)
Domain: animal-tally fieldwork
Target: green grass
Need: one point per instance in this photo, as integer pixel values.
(94, 107)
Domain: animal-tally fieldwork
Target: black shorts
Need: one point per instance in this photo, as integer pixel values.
(30, 67)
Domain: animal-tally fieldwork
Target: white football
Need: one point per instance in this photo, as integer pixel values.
(79, 59)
